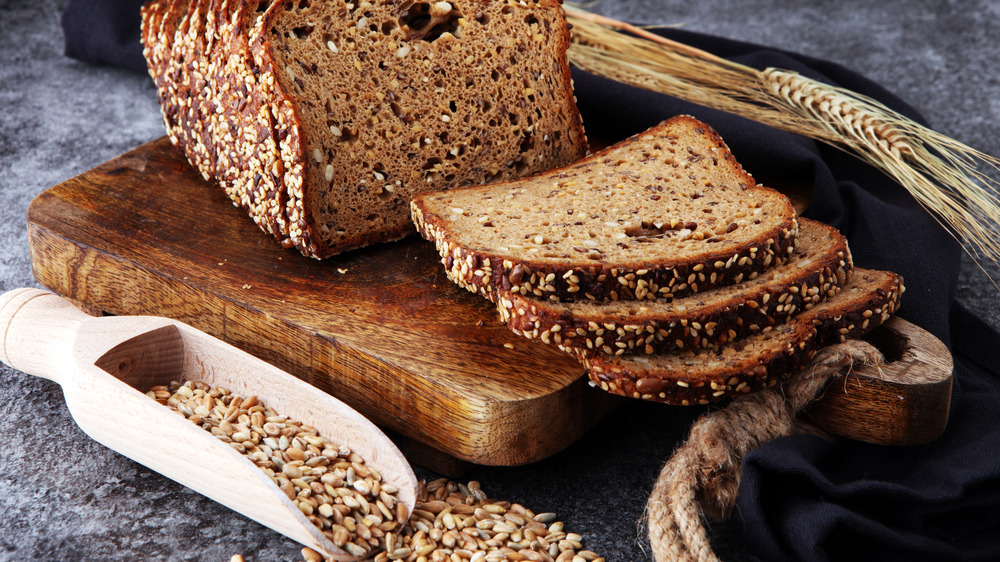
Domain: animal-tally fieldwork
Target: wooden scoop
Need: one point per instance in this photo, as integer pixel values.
(106, 364)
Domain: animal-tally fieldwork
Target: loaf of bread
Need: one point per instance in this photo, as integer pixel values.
(755, 362)
(323, 118)
(663, 214)
(817, 269)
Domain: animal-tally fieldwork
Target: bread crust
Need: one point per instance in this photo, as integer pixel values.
(872, 298)
(699, 321)
(201, 62)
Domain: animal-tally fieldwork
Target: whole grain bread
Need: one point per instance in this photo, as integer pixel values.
(323, 118)
(665, 213)
(815, 271)
(754, 362)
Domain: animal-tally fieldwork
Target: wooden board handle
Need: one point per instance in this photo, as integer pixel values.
(36, 329)
(905, 401)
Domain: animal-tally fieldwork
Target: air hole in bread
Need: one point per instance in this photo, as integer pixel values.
(645, 231)
(429, 21)
(344, 133)
(303, 31)
(527, 143)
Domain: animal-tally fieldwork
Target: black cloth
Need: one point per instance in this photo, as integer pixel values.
(802, 498)
(104, 32)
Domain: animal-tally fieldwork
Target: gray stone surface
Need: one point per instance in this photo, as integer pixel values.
(64, 497)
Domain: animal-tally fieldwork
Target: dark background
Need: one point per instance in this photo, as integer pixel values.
(64, 497)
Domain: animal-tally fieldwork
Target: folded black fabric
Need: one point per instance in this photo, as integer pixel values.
(104, 32)
(802, 498)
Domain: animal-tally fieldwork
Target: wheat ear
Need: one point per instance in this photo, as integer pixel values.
(955, 183)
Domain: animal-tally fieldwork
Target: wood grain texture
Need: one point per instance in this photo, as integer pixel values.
(380, 328)
(106, 365)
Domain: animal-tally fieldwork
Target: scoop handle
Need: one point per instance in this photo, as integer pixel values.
(37, 329)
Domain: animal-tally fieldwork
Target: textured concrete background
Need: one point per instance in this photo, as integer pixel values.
(64, 497)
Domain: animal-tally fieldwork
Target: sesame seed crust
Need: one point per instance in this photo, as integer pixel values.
(788, 348)
(817, 269)
(754, 362)
(205, 76)
(648, 280)
(321, 119)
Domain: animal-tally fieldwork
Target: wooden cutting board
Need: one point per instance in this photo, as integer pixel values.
(380, 328)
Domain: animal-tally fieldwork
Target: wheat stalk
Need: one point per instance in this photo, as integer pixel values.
(951, 180)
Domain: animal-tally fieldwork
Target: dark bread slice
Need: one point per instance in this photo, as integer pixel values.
(665, 213)
(816, 270)
(755, 362)
(321, 119)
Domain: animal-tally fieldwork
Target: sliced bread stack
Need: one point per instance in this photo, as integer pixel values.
(661, 265)
(322, 118)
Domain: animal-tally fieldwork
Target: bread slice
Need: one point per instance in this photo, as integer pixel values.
(819, 266)
(322, 119)
(665, 213)
(754, 362)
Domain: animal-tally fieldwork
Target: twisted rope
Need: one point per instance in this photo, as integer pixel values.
(702, 478)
